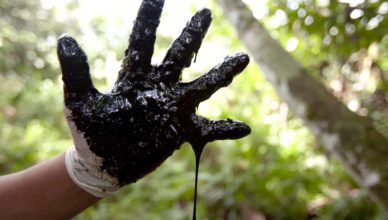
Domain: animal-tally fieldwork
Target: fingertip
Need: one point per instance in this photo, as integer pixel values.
(238, 129)
(202, 19)
(151, 9)
(64, 35)
(154, 3)
(205, 13)
(244, 58)
(240, 61)
(68, 47)
(245, 130)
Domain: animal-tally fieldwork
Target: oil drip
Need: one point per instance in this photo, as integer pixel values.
(197, 148)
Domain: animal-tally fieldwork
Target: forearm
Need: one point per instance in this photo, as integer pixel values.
(43, 191)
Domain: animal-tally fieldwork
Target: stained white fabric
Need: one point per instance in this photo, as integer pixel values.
(83, 166)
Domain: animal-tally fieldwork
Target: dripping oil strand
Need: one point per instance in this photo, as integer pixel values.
(197, 159)
(199, 45)
(198, 148)
(195, 56)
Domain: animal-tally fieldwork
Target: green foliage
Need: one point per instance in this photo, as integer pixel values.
(342, 43)
(31, 112)
(278, 171)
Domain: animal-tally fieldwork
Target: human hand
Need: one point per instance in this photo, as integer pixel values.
(122, 135)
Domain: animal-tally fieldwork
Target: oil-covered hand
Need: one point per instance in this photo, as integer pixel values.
(122, 135)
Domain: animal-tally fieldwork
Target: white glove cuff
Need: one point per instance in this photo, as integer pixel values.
(89, 177)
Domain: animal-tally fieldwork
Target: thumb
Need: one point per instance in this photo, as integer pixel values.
(75, 69)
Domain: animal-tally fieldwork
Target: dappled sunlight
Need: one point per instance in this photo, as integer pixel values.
(279, 171)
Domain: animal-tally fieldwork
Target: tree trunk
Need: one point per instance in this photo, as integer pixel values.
(344, 134)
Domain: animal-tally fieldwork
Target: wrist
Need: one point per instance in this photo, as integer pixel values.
(89, 177)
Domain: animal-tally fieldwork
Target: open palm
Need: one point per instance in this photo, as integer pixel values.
(149, 113)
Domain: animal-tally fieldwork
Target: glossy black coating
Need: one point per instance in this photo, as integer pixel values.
(184, 47)
(141, 42)
(198, 152)
(74, 62)
(148, 114)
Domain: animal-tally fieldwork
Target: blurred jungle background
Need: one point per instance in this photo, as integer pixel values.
(280, 171)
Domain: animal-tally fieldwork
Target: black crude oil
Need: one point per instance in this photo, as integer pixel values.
(198, 149)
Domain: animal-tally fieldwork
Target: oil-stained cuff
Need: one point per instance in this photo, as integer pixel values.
(89, 178)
